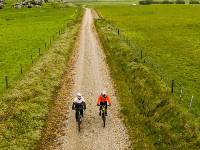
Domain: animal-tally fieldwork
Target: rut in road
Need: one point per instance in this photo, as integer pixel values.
(90, 77)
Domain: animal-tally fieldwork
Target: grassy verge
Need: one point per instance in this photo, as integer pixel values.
(25, 107)
(152, 116)
(23, 32)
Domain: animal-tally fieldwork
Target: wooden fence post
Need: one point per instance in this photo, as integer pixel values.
(172, 90)
(32, 59)
(21, 69)
(181, 93)
(6, 81)
(190, 106)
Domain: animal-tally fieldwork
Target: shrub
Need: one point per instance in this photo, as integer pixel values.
(194, 2)
(145, 2)
(167, 2)
(156, 2)
(180, 2)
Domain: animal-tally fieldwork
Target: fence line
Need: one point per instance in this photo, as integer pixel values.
(177, 88)
(7, 81)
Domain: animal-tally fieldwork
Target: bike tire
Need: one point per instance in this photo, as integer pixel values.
(104, 120)
(79, 124)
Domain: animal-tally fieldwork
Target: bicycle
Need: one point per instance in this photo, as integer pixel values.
(103, 114)
(79, 118)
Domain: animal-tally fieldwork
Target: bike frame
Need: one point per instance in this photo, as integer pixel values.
(79, 118)
(103, 114)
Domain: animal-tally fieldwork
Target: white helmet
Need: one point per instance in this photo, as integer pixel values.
(104, 93)
(78, 95)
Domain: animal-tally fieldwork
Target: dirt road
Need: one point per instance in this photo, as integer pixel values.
(91, 76)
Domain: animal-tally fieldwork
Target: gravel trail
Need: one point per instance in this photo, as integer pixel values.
(90, 77)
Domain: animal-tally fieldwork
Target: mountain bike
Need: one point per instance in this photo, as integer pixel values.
(79, 118)
(103, 114)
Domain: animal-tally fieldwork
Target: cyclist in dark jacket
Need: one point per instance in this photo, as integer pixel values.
(79, 103)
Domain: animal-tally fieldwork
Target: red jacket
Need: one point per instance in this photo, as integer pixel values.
(103, 99)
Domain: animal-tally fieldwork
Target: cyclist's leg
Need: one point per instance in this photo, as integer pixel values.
(81, 111)
(101, 103)
(76, 115)
(105, 103)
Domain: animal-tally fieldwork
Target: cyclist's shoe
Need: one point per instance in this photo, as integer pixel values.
(100, 113)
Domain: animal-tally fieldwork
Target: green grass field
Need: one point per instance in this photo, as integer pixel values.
(25, 106)
(170, 35)
(152, 115)
(23, 32)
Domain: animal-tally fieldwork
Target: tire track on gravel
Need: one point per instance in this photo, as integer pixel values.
(90, 77)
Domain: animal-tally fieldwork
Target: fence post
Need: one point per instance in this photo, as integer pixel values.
(118, 31)
(39, 52)
(6, 81)
(21, 69)
(32, 59)
(190, 106)
(172, 86)
(181, 92)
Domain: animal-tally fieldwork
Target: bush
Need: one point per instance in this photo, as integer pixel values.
(194, 2)
(145, 2)
(167, 2)
(180, 2)
(156, 2)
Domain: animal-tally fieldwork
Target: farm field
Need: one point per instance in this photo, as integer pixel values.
(23, 32)
(170, 35)
(153, 116)
(25, 106)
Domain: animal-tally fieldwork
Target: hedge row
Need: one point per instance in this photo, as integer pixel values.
(148, 2)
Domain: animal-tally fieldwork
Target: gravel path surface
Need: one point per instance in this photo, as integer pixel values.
(91, 76)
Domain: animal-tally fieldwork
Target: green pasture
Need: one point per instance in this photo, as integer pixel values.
(152, 115)
(25, 106)
(170, 35)
(23, 32)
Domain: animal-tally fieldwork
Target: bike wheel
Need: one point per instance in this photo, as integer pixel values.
(79, 123)
(104, 119)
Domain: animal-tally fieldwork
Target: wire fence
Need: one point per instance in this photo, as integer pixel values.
(174, 87)
(8, 81)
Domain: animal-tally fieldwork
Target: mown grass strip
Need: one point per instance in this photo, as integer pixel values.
(24, 108)
(153, 117)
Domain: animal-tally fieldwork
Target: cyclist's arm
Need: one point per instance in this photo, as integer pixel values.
(73, 106)
(84, 105)
(108, 100)
(99, 100)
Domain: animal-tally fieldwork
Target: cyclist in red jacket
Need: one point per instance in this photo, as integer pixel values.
(103, 100)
